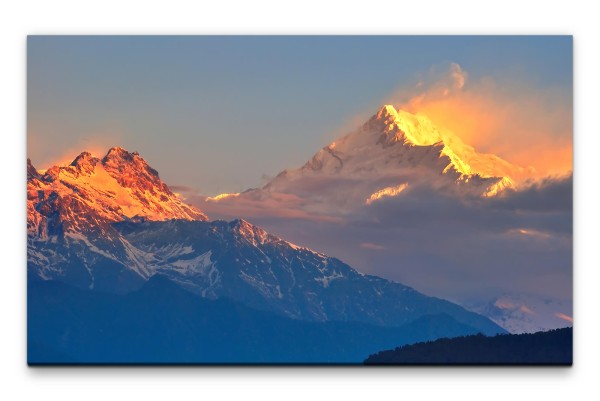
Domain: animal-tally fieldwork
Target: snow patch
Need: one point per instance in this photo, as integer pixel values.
(326, 280)
(197, 265)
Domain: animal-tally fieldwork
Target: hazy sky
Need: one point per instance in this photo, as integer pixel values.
(219, 113)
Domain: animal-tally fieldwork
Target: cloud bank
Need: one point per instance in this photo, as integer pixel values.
(439, 243)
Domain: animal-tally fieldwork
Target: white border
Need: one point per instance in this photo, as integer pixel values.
(278, 17)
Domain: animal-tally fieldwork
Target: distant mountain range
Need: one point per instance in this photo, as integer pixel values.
(118, 260)
(109, 230)
(524, 314)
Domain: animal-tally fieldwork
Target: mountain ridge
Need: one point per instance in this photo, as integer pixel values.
(102, 249)
(395, 139)
(392, 149)
(117, 187)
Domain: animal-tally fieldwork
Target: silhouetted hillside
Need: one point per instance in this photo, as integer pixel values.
(553, 347)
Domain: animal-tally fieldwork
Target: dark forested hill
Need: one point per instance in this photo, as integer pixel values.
(553, 347)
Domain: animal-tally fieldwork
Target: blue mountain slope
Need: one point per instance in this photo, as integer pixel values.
(162, 323)
(243, 262)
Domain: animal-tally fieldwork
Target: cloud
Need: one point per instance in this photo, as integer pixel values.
(259, 204)
(459, 76)
(550, 194)
(526, 125)
(385, 192)
(504, 304)
(372, 246)
(529, 233)
(435, 241)
(526, 310)
(564, 317)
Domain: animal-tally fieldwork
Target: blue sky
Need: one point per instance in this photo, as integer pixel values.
(218, 113)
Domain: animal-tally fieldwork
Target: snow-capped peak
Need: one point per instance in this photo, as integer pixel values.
(129, 168)
(251, 233)
(394, 140)
(117, 153)
(387, 111)
(392, 150)
(85, 162)
(418, 130)
(92, 190)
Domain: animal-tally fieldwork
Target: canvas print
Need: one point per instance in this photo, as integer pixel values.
(364, 200)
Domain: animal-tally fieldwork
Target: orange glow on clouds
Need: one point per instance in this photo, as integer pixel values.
(372, 246)
(525, 309)
(529, 232)
(564, 317)
(525, 125)
(386, 192)
(221, 196)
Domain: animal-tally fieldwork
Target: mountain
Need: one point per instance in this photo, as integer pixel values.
(93, 192)
(519, 313)
(71, 211)
(393, 142)
(553, 347)
(162, 323)
(392, 153)
(240, 261)
(110, 225)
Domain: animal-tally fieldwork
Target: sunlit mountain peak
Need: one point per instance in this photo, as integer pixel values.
(387, 111)
(418, 130)
(394, 147)
(90, 190)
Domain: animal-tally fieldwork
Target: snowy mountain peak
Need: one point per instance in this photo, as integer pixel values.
(404, 127)
(250, 232)
(129, 168)
(391, 149)
(90, 193)
(84, 157)
(85, 162)
(118, 152)
(387, 111)
(400, 126)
